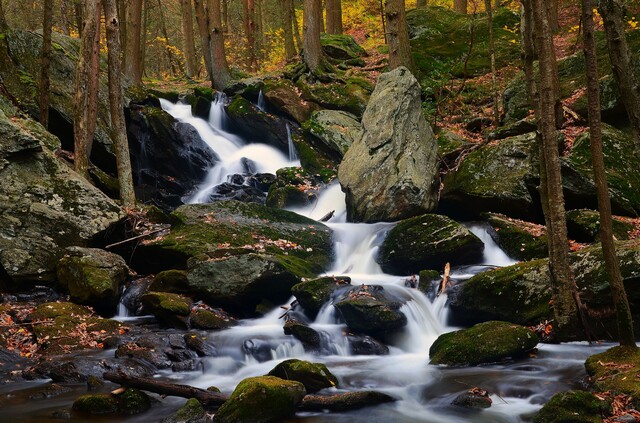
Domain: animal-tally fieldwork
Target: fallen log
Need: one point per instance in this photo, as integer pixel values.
(344, 402)
(206, 398)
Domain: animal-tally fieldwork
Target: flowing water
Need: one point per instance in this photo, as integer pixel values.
(424, 392)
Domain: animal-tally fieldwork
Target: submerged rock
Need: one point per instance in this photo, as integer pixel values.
(366, 345)
(391, 172)
(487, 342)
(314, 376)
(474, 398)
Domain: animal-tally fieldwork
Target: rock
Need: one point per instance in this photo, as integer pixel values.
(519, 239)
(199, 344)
(191, 412)
(45, 207)
(427, 241)
(294, 187)
(209, 318)
(259, 349)
(70, 369)
(261, 399)
(584, 226)
(337, 130)
(172, 280)
(366, 345)
(370, 310)
(487, 342)
(474, 398)
(96, 404)
(314, 376)
(170, 309)
(133, 401)
(93, 277)
(520, 127)
(391, 172)
(573, 406)
(349, 95)
(169, 159)
(313, 294)
(521, 293)
(283, 96)
(132, 296)
(341, 47)
(616, 378)
(344, 401)
(245, 187)
(450, 142)
(310, 338)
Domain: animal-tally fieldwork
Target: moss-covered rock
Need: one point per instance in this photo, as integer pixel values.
(191, 412)
(584, 226)
(519, 239)
(572, 406)
(310, 338)
(172, 280)
(615, 370)
(427, 241)
(283, 95)
(341, 47)
(133, 401)
(336, 129)
(449, 142)
(261, 399)
(521, 293)
(314, 376)
(294, 186)
(96, 404)
(314, 293)
(487, 342)
(350, 95)
(204, 317)
(92, 276)
(171, 309)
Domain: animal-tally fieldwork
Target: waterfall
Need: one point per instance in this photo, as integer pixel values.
(262, 104)
(293, 155)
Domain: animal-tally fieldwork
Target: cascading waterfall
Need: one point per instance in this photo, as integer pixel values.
(293, 155)
(262, 104)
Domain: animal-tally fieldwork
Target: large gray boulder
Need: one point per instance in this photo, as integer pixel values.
(390, 173)
(44, 206)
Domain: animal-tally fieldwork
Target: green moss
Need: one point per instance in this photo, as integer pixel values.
(487, 342)
(341, 47)
(615, 370)
(167, 303)
(133, 401)
(584, 226)
(240, 106)
(59, 309)
(192, 411)
(169, 281)
(572, 406)
(96, 404)
(313, 294)
(208, 319)
(314, 376)
(516, 238)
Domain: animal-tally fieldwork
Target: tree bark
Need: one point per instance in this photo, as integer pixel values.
(259, 33)
(45, 62)
(94, 83)
(296, 27)
(460, 6)
(312, 52)
(492, 55)
(65, 14)
(620, 301)
(421, 3)
(205, 40)
(528, 50)
(334, 16)
(220, 76)
(623, 71)
(552, 11)
(133, 48)
(116, 105)
(190, 66)
(287, 28)
(564, 291)
(248, 10)
(398, 35)
(3, 20)
(79, 13)
(122, 17)
(165, 34)
(81, 119)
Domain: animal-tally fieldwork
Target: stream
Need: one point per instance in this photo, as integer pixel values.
(424, 392)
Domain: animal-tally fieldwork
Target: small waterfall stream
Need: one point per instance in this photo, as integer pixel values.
(425, 392)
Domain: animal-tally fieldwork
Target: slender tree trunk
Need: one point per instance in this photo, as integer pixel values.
(312, 52)
(121, 144)
(296, 27)
(528, 50)
(287, 28)
(3, 21)
(167, 47)
(205, 40)
(65, 14)
(398, 35)
(189, 43)
(492, 55)
(122, 17)
(94, 83)
(143, 39)
(334, 16)
(460, 6)
(225, 16)
(259, 31)
(81, 119)
(133, 48)
(45, 62)
(612, 13)
(623, 313)
(552, 11)
(421, 3)
(564, 290)
(248, 11)
(79, 13)
(220, 75)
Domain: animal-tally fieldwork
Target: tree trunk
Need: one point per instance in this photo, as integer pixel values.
(189, 43)
(312, 51)
(334, 16)
(133, 48)
(45, 62)
(259, 31)
(623, 313)
(398, 35)
(220, 76)
(116, 105)
(94, 83)
(421, 3)
(564, 292)
(552, 11)
(79, 13)
(287, 28)
(225, 16)
(528, 50)
(3, 21)
(460, 6)
(623, 70)
(81, 115)
(65, 14)
(492, 55)
(248, 20)
(165, 34)
(205, 41)
(296, 27)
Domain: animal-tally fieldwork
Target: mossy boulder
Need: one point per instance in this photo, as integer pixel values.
(208, 318)
(487, 342)
(341, 47)
(310, 338)
(294, 186)
(133, 401)
(206, 228)
(283, 95)
(92, 276)
(572, 406)
(349, 95)
(314, 376)
(172, 280)
(584, 226)
(615, 370)
(96, 404)
(261, 399)
(191, 412)
(449, 142)
(519, 239)
(337, 130)
(314, 293)
(521, 293)
(427, 241)
(171, 309)
(370, 310)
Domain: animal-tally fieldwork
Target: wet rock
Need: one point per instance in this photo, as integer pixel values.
(199, 344)
(132, 295)
(209, 318)
(294, 187)
(259, 349)
(156, 358)
(368, 309)
(282, 95)
(80, 369)
(313, 294)
(584, 226)
(427, 241)
(191, 412)
(615, 378)
(390, 173)
(133, 401)
(261, 399)
(310, 338)
(337, 130)
(171, 309)
(170, 281)
(314, 376)
(96, 404)
(49, 391)
(344, 401)
(93, 277)
(474, 398)
(487, 342)
(574, 406)
(366, 345)
(519, 239)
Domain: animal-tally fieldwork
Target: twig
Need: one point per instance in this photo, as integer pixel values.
(135, 237)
